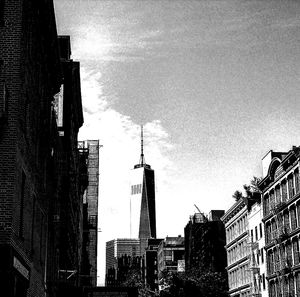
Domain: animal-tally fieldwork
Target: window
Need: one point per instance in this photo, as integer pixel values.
(260, 230)
(284, 191)
(32, 223)
(291, 186)
(262, 255)
(1, 12)
(251, 235)
(296, 174)
(264, 281)
(266, 205)
(22, 198)
(256, 235)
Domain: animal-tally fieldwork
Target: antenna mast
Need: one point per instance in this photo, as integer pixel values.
(142, 159)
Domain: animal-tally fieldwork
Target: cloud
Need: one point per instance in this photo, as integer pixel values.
(120, 151)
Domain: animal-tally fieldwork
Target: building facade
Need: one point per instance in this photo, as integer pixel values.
(258, 281)
(142, 200)
(120, 249)
(237, 247)
(30, 75)
(42, 173)
(151, 264)
(88, 269)
(205, 243)
(170, 255)
(281, 216)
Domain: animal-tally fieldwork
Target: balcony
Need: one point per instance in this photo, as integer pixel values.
(277, 207)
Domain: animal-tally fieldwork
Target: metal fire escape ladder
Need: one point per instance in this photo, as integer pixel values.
(255, 289)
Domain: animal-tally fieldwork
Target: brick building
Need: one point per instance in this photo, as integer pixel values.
(205, 242)
(41, 166)
(30, 76)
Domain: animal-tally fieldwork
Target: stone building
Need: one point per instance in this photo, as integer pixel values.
(237, 247)
(281, 216)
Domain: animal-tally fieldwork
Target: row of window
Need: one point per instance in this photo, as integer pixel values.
(238, 252)
(136, 189)
(239, 276)
(284, 222)
(287, 285)
(284, 256)
(237, 228)
(254, 237)
(1, 12)
(283, 191)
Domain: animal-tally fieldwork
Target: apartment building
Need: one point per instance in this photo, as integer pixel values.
(257, 256)
(237, 247)
(281, 216)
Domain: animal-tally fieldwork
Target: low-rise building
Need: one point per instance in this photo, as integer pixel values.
(237, 247)
(205, 242)
(170, 254)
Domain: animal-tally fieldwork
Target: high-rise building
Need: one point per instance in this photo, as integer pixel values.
(142, 200)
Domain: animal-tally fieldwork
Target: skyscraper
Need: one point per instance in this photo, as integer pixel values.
(142, 199)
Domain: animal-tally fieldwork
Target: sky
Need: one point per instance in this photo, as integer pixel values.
(216, 85)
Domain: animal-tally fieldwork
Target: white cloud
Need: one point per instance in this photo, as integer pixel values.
(120, 138)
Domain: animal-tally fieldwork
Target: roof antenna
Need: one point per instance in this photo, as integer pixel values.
(142, 159)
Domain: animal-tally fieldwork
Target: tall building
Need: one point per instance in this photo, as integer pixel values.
(30, 75)
(88, 272)
(68, 210)
(142, 200)
(41, 186)
(205, 242)
(281, 216)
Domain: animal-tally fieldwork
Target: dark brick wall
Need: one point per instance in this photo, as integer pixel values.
(32, 75)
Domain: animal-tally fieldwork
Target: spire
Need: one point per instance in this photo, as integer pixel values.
(142, 158)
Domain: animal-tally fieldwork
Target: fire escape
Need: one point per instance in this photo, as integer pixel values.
(282, 256)
(255, 288)
(3, 102)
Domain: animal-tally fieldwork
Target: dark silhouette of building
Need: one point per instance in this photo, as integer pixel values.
(205, 242)
(151, 263)
(43, 174)
(142, 202)
(88, 272)
(30, 75)
(73, 170)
